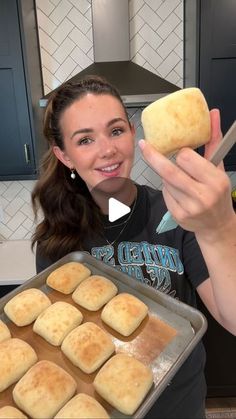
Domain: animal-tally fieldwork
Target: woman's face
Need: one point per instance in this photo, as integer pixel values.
(98, 140)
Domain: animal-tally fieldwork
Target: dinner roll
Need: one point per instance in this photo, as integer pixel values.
(124, 313)
(4, 331)
(54, 323)
(82, 406)
(67, 277)
(16, 357)
(43, 390)
(123, 381)
(26, 306)
(180, 119)
(10, 412)
(94, 292)
(88, 347)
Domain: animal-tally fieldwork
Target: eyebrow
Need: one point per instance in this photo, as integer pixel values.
(114, 120)
(81, 131)
(89, 130)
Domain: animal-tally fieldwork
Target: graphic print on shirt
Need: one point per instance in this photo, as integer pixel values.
(148, 263)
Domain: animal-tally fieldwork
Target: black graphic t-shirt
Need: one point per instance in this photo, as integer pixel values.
(170, 262)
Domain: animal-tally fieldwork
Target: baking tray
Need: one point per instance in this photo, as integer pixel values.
(163, 341)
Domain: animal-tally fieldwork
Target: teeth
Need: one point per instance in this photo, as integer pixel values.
(110, 168)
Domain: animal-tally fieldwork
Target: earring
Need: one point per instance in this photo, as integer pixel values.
(72, 175)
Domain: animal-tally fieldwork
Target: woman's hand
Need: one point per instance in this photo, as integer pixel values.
(195, 191)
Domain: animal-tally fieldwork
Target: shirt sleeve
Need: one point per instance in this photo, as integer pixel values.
(194, 263)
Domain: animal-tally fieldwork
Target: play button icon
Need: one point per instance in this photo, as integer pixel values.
(116, 209)
(113, 197)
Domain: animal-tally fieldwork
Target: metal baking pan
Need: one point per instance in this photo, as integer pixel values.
(163, 341)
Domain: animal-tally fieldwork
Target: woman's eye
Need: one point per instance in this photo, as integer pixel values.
(84, 141)
(117, 132)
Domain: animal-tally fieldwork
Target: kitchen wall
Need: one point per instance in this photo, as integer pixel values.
(66, 46)
(65, 33)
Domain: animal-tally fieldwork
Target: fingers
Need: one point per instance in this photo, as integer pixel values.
(177, 182)
(216, 133)
(190, 200)
(197, 166)
(189, 163)
(163, 166)
(215, 125)
(193, 187)
(152, 156)
(179, 209)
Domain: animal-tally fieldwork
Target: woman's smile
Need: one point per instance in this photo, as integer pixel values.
(110, 170)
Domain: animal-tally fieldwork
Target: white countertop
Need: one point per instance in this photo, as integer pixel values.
(17, 262)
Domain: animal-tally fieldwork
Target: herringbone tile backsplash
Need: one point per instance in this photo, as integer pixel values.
(66, 39)
(17, 219)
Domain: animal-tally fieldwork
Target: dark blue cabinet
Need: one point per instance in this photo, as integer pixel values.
(18, 135)
(217, 62)
(210, 63)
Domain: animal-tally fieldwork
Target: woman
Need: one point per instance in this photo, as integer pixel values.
(90, 155)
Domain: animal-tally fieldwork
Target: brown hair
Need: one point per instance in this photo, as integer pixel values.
(69, 212)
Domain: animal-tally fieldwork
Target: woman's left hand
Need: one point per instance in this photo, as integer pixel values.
(197, 193)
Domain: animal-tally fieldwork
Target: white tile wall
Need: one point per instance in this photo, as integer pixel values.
(18, 218)
(160, 26)
(65, 33)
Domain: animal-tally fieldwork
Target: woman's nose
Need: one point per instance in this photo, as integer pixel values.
(107, 148)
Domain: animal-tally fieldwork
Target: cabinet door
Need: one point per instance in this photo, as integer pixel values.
(220, 348)
(16, 157)
(217, 67)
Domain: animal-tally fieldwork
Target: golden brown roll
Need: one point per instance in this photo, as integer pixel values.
(88, 347)
(54, 323)
(124, 313)
(180, 119)
(10, 412)
(4, 331)
(16, 357)
(26, 306)
(67, 277)
(94, 292)
(82, 406)
(123, 381)
(43, 390)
